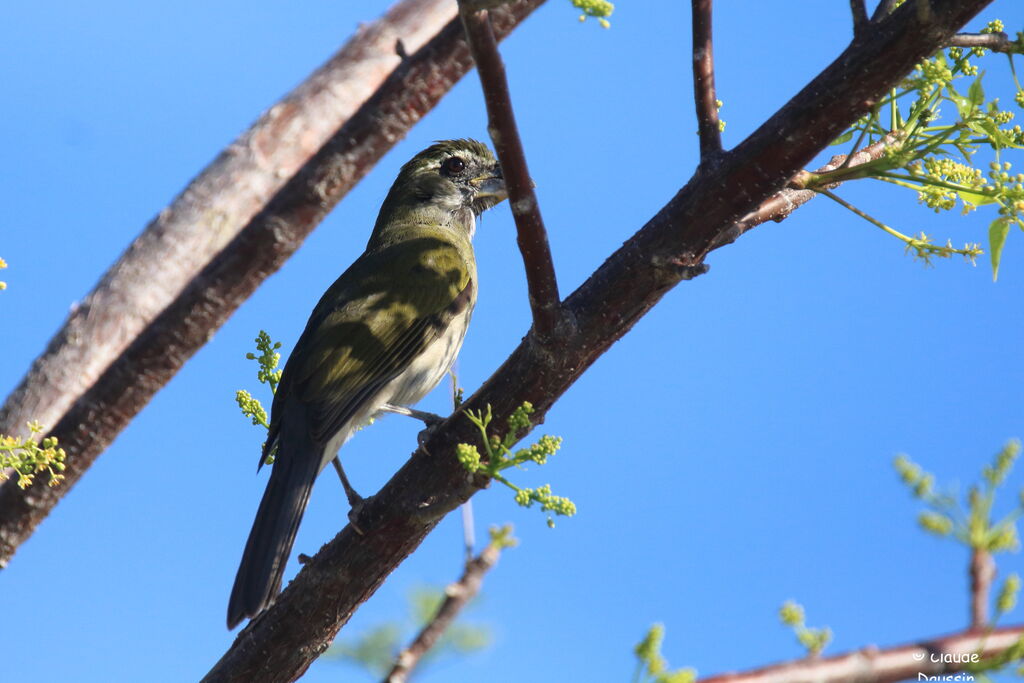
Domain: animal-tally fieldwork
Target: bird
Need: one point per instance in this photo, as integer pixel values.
(381, 337)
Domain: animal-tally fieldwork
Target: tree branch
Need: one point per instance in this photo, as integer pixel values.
(780, 205)
(983, 573)
(997, 42)
(280, 643)
(545, 302)
(457, 596)
(886, 665)
(184, 325)
(704, 97)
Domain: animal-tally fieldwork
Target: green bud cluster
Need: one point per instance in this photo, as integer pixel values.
(931, 152)
(30, 456)
(1007, 598)
(3, 264)
(652, 664)
(971, 523)
(499, 456)
(813, 640)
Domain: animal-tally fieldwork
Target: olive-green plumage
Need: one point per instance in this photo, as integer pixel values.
(385, 332)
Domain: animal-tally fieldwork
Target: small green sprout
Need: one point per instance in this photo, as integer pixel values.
(973, 526)
(29, 457)
(651, 666)
(3, 264)
(814, 640)
(499, 456)
(268, 360)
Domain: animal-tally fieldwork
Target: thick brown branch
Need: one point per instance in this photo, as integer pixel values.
(545, 302)
(704, 97)
(209, 213)
(457, 596)
(997, 42)
(346, 571)
(885, 665)
(261, 248)
(983, 573)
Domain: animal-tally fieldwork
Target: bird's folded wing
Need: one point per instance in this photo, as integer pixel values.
(378, 317)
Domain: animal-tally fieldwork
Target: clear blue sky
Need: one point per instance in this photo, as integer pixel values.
(732, 452)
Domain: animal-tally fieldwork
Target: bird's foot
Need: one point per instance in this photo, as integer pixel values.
(355, 513)
(424, 436)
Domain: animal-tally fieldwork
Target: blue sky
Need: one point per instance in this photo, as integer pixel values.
(732, 452)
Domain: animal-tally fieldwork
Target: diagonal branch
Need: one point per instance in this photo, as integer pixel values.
(708, 126)
(457, 596)
(531, 234)
(280, 644)
(258, 250)
(886, 665)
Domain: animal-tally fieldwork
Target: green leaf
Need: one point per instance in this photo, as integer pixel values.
(976, 93)
(997, 233)
(845, 137)
(975, 198)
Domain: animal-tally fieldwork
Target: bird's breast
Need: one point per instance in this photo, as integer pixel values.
(429, 367)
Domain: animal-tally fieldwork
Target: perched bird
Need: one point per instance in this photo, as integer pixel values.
(383, 335)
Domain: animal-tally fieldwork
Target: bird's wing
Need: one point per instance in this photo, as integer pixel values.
(366, 330)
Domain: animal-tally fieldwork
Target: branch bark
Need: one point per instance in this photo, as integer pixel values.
(189, 320)
(280, 643)
(704, 97)
(886, 665)
(997, 42)
(457, 596)
(982, 572)
(545, 302)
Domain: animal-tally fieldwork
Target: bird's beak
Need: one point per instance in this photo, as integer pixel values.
(490, 186)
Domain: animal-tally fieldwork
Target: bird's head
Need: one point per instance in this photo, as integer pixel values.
(450, 176)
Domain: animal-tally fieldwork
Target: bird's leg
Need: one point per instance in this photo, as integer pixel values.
(354, 499)
(429, 419)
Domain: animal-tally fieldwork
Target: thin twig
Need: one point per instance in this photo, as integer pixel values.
(935, 657)
(780, 205)
(704, 96)
(860, 16)
(545, 302)
(983, 573)
(457, 596)
(997, 42)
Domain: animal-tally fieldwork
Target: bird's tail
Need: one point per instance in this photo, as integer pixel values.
(273, 533)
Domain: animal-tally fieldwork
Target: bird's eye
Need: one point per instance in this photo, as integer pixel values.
(453, 166)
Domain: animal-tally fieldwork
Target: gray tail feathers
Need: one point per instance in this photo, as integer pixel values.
(273, 533)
